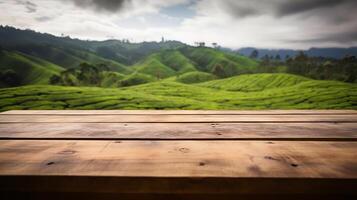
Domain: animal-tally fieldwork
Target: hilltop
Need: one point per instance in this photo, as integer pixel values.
(20, 69)
(64, 73)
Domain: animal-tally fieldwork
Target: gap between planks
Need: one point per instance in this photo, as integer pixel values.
(147, 118)
(182, 139)
(179, 112)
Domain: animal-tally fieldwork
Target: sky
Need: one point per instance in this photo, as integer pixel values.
(293, 24)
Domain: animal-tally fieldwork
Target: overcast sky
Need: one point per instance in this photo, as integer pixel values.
(231, 23)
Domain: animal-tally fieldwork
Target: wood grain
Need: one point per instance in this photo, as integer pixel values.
(174, 131)
(178, 154)
(234, 159)
(176, 118)
(180, 112)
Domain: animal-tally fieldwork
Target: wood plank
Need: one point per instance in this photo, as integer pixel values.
(154, 131)
(194, 159)
(177, 118)
(180, 112)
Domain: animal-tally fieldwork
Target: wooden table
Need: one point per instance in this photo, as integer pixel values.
(178, 154)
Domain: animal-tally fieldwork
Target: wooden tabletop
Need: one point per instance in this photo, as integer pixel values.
(192, 153)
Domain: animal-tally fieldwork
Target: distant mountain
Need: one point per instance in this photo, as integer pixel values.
(28, 57)
(336, 53)
(120, 51)
(128, 63)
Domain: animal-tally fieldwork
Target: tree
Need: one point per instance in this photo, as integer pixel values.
(202, 44)
(219, 71)
(158, 74)
(102, 67)
(55, 80)
(11, 78)
(254, 54)
(277, 57)
(301, 57)
(89, 74)
(266, 60)
(215, 45)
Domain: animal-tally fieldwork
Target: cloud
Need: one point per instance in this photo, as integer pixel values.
(231, 23)
(127, 6)
(344, 38)
(299, 23)
(31, 7)
(286, 8)
(43, 18)
(102, 5)
(281, 8)
(240, 10)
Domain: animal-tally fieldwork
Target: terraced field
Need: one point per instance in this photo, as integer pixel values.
(31, 70)
(256, 82)
(299, 93)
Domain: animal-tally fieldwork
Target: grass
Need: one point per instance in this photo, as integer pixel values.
(168, 94)
(136, 79)
(111, 79)
(171, 79)
(176, 61)
(195, 77)
(206, 59)
(31, 70)
(153, 67)
(255, 82)
(72, 57)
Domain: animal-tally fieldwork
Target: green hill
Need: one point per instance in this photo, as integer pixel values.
(136, 79)
(195, 77)
(172, 95)
(26, 69)
(130, 53)
(70, 57)
(176, 61)
(120, 51)
(255, 82)
(153, 67)
(204, 64)
(219, 63)
(111, 79)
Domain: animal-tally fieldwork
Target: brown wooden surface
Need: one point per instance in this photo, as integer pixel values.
(174, 131)
(197, 154)
(148, 118)
(231, 159)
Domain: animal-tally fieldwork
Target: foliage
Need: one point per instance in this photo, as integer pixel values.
(85, 75)
(195, 77)
(324, 69)
(136, 79)
(220, 63)
(154, 67)
(255, 82)
(304, 94)
(10, 78)
(21, 69)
